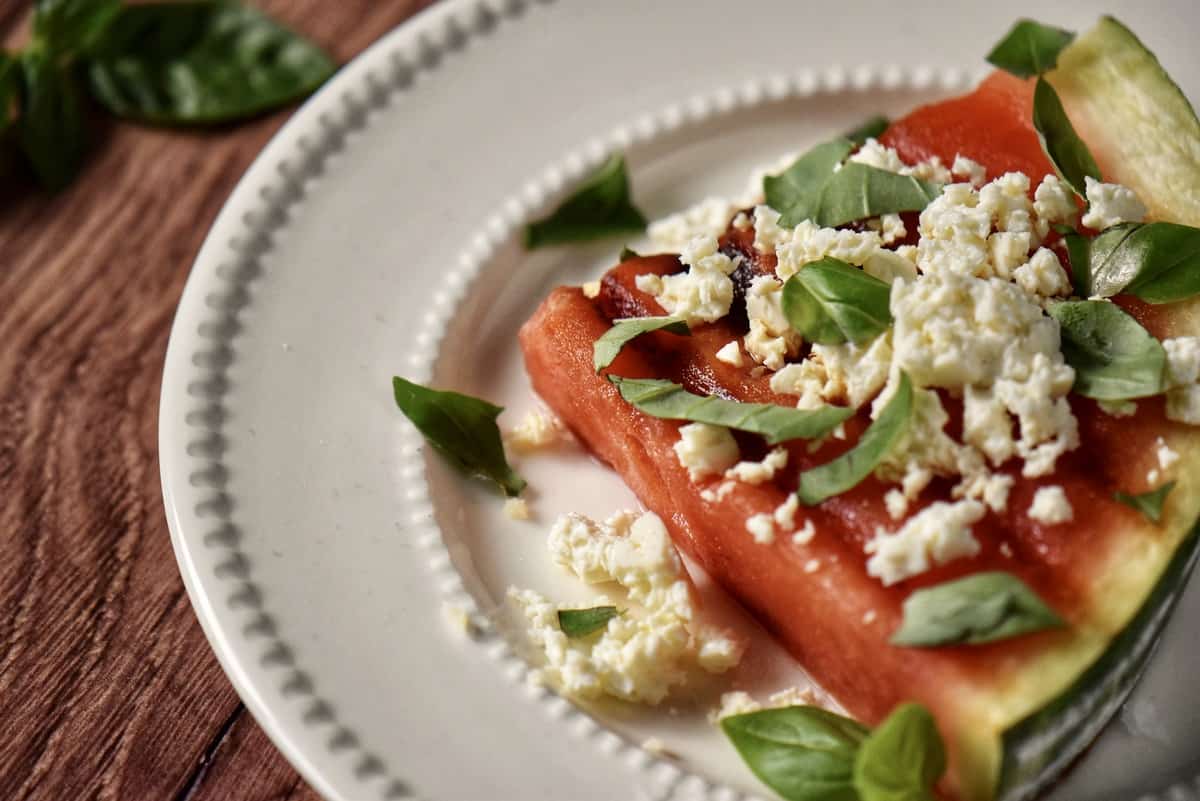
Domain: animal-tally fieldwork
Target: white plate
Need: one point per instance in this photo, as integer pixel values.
(317, 543)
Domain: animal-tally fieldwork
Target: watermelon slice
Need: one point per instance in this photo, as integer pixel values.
(1014, 713)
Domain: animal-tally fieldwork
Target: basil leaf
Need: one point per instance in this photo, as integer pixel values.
(1148, 503)
(1110, 267)
(52, 129)
(831, 302)
(796, 192)
(1068, 153)
(463, 428)
(871, 128)
(199, 63)
(902, 759)
(627, 253)
(72, 24)
(847, 470)
(1157, 262)
(858, 191)
(606, 348)
(1113, 356)
(980, 608)
(663, 399)
(582, 622)
(1029, 49)
(10, 86)
(801, 752)
(600, 207)
(1079, 253)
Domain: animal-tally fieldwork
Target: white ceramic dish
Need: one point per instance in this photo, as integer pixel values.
(374, 237)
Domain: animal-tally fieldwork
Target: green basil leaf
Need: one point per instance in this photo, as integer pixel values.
(582, 622)
(1162, 261)
(72, 24)
(663, 399)
(871, 128)
(1079, 253)
(902, 758)
(1029, 49)
(1113, 356)
(796, 192)
(627, 253)
(1067, 152)
(831, 302)
(980, 608)
(199, 63)
(1110, 267)
(847, 470)
(858, 191)
(606, 348)
(600, 207)
(1148, 503)
(463, 428)
(10, 87)
(52, 128)
(801, 752)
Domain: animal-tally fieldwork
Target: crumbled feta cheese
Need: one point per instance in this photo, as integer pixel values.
(657, 644)
(771, 338)
(705, 449)
(1006, 550)
(1166, 456)
(991, 488)
(516, 509)
(1153, 476)
(873, 154)
(809, 242)
(759, 472)
(718, 494)
(461, 620)
(538, 430)
(1118, 408)
(1054, 202)
(1008, 250)
(731, 353)
(1183, 360)
(937, 534)
(740, 702)
(806, 533)
(846, 373)
(704, 293)
(735, 703)
(1111, 204)
(1050, 506)
(812, 565)
(869, 617)
(1007, 200)
(888, 265)
(785, 513)
(931, 169)
(890, 227)
(708, 218)
(762, 527)
(1183, 404)
(591, 290)
(973, 171)
(741, 222)
(896, 504)
(954, 234)
(1043, 275)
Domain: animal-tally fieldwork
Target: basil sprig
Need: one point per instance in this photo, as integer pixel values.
(980, 608)
(1113, 356)
(846, 471)
(199, 63)
(831, 302)
(600, 207)
(1068, 153)
(582, 622)
(606, 348)
(670, 401)
(1029, 49)
(801, 752)
(804, 753)
(902, 759)
(1149, 503)
(463, 428)
(165, 63)
(796, 192)
(871, 128)
(1157, 262)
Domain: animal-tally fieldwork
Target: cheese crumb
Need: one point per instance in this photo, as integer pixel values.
(869, 617)
(1050, 506)
(812, 565)
(762, 527)
(771, 338)
(733, 703)
(1043, 275)
(704, 292)
(516, 509)
(806, 533)
(785, 513)
(538, 430)
(708, 218)
(973, 171)
(759, 472)
(461, 620)
(1111, 204)
(591, 290)
(937, 534)
(1166, 457)
(657, 644)
(705, 449)
(731, 353)
(896, 504)
(1118, 408)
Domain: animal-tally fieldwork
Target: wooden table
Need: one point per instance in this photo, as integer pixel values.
(108, 689)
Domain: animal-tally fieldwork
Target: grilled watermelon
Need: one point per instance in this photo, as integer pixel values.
(1013, 713)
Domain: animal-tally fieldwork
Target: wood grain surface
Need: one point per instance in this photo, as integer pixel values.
(108, 689)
